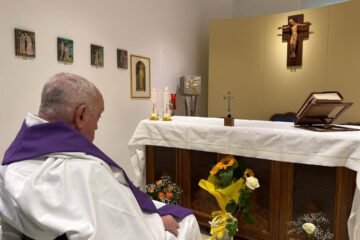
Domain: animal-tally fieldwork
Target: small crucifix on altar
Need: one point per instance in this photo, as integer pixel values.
(294, 33)
(228, 120)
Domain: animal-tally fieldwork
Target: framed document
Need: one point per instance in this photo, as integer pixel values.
(140, 76)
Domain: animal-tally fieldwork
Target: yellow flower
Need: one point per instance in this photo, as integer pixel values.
(226, 162)
(249, 173)
(216, 168)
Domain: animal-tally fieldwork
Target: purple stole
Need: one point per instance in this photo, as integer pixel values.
(57, 136)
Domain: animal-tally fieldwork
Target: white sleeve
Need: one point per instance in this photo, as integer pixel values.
(82, 199)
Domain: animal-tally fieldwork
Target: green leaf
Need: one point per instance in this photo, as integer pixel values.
(247, 217)
(231, 206)
(225, 178)
(231, 229)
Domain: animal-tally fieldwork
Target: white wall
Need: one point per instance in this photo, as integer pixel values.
(173, 33)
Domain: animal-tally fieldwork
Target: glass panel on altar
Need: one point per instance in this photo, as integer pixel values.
(260, 204)
(287, 191)
(201, 164)
(314, 190)
(202, 201)
(165, 164)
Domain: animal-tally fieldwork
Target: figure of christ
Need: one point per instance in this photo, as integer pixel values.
(294, 27)
(22, 44)
(29, 45)
(67, 54)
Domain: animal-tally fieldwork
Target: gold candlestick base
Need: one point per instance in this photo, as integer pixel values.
(166, 117)
(154, 117)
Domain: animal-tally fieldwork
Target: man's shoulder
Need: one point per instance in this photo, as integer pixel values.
(71, 159)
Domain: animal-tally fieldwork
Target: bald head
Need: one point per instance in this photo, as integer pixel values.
(67, 97)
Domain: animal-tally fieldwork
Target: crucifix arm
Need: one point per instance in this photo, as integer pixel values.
(302, 27)
(304, 24)
(284, 27)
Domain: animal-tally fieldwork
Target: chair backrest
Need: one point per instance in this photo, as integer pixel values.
(283, 117)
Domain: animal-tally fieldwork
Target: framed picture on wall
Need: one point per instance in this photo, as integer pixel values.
(97, 55)
(122, 59)
(65, 50)
(24, 43)
(140, 76)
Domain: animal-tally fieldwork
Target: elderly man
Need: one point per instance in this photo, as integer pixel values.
(56, 184)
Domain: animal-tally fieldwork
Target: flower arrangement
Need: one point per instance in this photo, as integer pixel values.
(231, 185)
(164, 190)
(311, 226)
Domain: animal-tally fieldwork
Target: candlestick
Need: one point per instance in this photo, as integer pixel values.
(166, 116)
(154, 115)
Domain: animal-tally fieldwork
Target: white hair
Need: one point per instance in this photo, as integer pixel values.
(63, 93)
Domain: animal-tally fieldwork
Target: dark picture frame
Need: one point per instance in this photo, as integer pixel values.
(97, 55)
(65, 50)
(25, 43)
(122, 59)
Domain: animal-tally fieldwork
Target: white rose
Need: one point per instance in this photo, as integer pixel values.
(309, 228)
(252, 182)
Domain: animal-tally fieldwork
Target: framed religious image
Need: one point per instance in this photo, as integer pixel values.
(65, 50)
(140, 76)
(122, 59)
(97, 55)
(24, 43)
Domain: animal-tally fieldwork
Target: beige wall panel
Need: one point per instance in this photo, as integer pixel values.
(236, 64)
(249, 57)
(344, 54)
(285, 89)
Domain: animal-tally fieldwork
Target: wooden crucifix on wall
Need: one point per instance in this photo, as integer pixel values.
(294, 33)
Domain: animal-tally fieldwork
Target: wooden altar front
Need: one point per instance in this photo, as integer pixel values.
(299, 171)
(288, 190)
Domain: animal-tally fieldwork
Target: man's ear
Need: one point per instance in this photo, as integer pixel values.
(79, 116)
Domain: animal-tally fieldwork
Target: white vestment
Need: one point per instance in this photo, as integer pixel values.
(80, 195)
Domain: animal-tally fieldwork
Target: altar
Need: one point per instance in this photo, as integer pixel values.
(300, 171)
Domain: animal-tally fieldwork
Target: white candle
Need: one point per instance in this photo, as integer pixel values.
(166, 101)
(153, 100)
(153, 96)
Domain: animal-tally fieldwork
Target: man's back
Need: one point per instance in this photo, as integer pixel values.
(78, 195)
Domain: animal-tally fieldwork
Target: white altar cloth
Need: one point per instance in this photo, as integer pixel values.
(279, 141)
